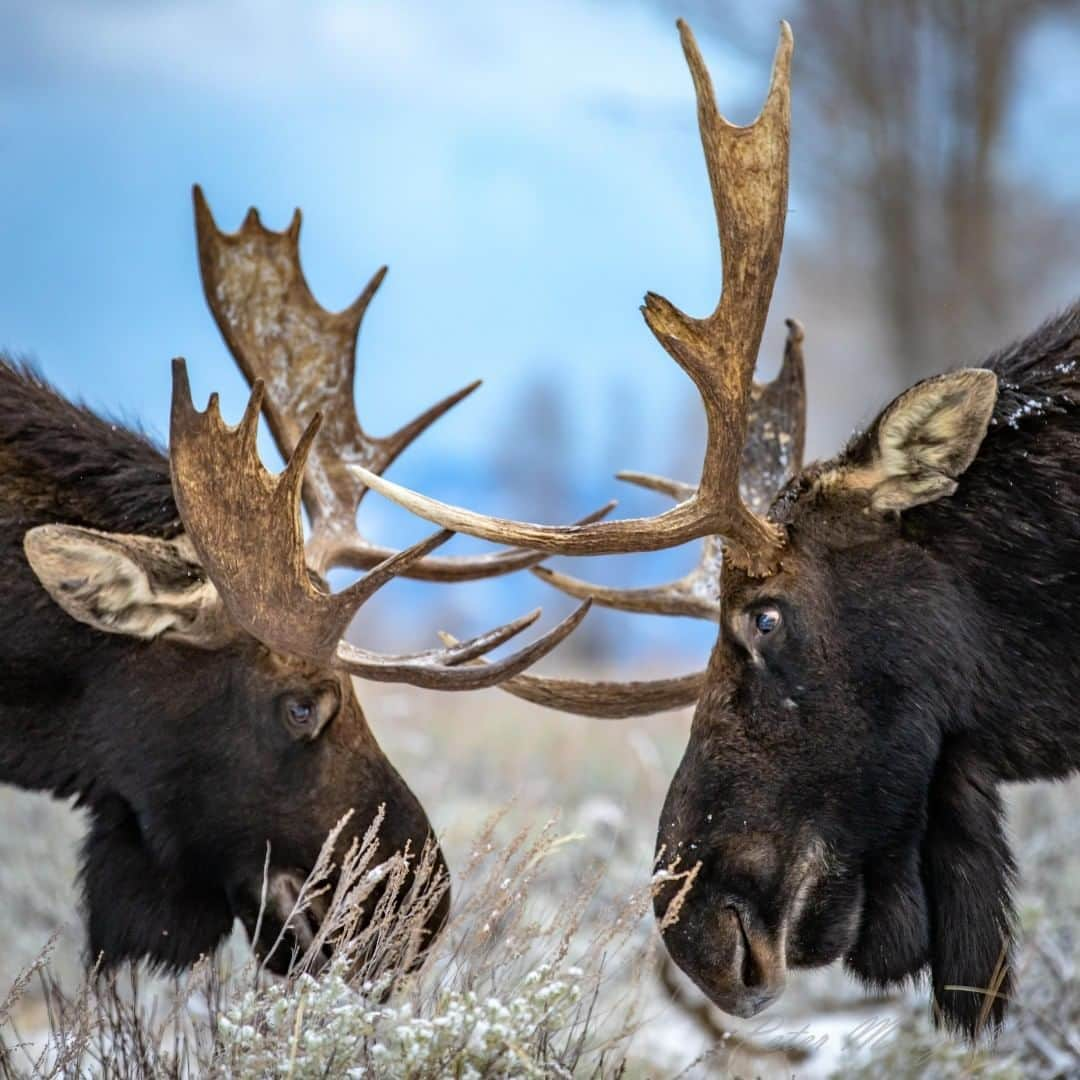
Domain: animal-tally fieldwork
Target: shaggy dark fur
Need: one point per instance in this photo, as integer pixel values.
(179, 753)
(923, 658)
(62, 462)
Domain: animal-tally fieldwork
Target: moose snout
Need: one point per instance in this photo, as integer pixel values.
(732, 958)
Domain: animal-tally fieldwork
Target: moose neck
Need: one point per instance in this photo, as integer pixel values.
(60, 463)
(1011, 536)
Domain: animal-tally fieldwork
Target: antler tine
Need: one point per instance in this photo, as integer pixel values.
(245, 526)
(608, 700)
(677, 489)
(451, 568)
(748, 174)
(277, 331)
(771, 457)
(696, 594)
(456, 666)
(602, 700)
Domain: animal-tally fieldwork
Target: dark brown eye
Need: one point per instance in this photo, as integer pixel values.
(767, 620)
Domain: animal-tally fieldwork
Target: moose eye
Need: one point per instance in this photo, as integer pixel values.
(301, 712)
(767, 620)
(306, 714)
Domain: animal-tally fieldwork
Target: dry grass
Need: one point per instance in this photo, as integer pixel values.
(549, 966)
(510, 989)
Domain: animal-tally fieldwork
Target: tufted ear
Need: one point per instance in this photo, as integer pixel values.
(921, 444)
(135, 585)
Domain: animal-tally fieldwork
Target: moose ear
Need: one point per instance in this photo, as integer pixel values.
(922, 443)
(135, 585)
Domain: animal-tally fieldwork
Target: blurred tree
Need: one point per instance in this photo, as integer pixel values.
(536, 469)
(536, 450)
(901, 114)
(625, 429)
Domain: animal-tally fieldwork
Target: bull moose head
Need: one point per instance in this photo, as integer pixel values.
(201, 703)
(882, 637)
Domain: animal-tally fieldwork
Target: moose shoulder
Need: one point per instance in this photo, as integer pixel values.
(898, 633)
(169, 653)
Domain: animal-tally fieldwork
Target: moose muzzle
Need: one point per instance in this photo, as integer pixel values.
(738, 963)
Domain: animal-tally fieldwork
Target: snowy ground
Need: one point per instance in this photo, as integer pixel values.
(467, 755)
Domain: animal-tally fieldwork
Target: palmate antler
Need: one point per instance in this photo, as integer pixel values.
(748, 174)
(306, 356)
(245, 526)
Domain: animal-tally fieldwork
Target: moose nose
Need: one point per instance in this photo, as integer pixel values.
(757, 971)
(737, 962)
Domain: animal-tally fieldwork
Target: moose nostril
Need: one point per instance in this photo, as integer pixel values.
(749, 975)
(755, 967)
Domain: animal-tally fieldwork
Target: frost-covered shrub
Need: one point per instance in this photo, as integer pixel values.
(502, 993)
(509, 989)
(325, 1026)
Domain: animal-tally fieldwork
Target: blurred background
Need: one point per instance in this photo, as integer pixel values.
(528, 171)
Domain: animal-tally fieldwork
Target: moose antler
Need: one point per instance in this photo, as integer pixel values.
(245, 526)
(696, 594)
(748, 174)
(602, 700)
(776, 427)
(306, 356)
(772, 455)
(608, 700)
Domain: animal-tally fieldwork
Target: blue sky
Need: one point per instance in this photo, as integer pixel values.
(526, 170)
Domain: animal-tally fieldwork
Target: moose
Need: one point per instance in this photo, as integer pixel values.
(171, 654)
(898, 632)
